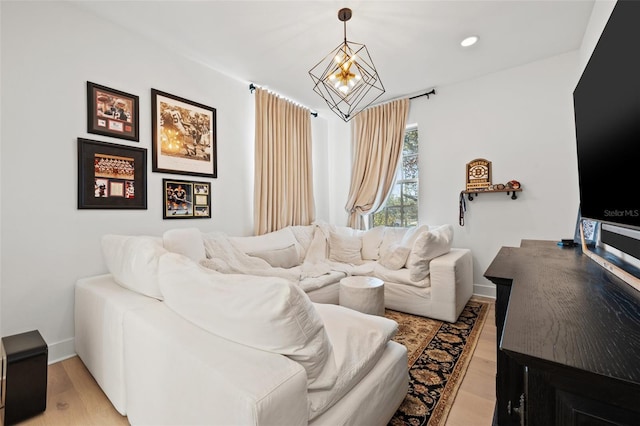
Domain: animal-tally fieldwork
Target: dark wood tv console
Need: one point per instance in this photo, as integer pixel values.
(568, 339)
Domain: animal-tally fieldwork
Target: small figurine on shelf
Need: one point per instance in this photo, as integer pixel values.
(513, 184)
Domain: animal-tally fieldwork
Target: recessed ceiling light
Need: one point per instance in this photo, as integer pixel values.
(469, 41)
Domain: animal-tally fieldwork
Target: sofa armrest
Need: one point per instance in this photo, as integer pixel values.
(178, 373)
(452, 281)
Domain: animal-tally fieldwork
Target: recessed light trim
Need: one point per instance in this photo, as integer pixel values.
(469, 41)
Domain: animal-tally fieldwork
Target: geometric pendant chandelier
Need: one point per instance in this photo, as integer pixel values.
(346, 78)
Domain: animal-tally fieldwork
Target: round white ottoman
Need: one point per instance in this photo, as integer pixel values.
(364, 294)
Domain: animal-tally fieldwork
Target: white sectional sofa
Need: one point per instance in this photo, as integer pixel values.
(202, 328)
(423, 274)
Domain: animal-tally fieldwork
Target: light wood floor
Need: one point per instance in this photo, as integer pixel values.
(74, 397)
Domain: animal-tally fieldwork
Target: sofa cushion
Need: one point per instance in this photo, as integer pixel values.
(396, 257)
(287, 257)
(399, 276)
(371, 240)
(345, 249)
(429, 245)
(133, 262)
(358, 342)
(186, 241)
(267, 313)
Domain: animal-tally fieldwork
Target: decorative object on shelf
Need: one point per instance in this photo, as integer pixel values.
(493, 188)
(111, 176)
(513, 184)
(184, 136)
(478, 174)
(185, 199)
(111, 112)
(346, 78)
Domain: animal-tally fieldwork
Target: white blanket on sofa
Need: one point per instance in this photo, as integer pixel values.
(223, 256)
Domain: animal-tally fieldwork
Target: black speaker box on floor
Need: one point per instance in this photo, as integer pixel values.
(24, 387)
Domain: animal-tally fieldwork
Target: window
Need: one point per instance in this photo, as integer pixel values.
(401, 208)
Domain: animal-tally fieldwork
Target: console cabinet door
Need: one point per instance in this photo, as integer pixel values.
(575, 410)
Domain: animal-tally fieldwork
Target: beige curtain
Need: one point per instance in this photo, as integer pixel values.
(377, 136)
(283, 188)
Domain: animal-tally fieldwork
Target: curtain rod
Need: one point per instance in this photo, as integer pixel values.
(431, 92)
(252, 87)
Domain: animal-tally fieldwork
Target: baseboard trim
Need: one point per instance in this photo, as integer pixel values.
(60, 351)
(484, 290)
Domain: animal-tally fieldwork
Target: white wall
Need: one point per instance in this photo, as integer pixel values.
(49, 51)
(599, 16)
(521, 120)
(339, 144)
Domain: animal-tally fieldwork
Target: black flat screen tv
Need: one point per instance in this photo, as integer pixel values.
(607, 122)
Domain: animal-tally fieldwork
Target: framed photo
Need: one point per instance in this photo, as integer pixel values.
(111, 112)
(590, 230)
(184, 199)
(184, 136)
(111, 176)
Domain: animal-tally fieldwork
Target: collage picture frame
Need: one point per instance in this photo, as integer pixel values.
(111, 112)
(186, 199)
(111, 176)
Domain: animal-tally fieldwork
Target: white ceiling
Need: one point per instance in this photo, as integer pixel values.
(415, 45)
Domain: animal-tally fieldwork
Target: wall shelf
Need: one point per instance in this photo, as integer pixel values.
(509, 191)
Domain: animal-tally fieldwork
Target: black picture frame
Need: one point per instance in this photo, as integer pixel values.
(111, 176)
(184, 136)
(111, 112)
(186, 199)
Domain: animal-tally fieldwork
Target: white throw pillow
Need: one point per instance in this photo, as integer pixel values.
(412, 234)
(345, 249)
(371, 240)
(267, 313)
(187, 241)
(133, 262)
(279, 258)
(392, 235)
(428, 245)
(396, 257)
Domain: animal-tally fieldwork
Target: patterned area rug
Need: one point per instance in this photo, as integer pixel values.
(439, 354)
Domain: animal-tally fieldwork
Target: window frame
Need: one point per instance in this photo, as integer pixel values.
(402, 207)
